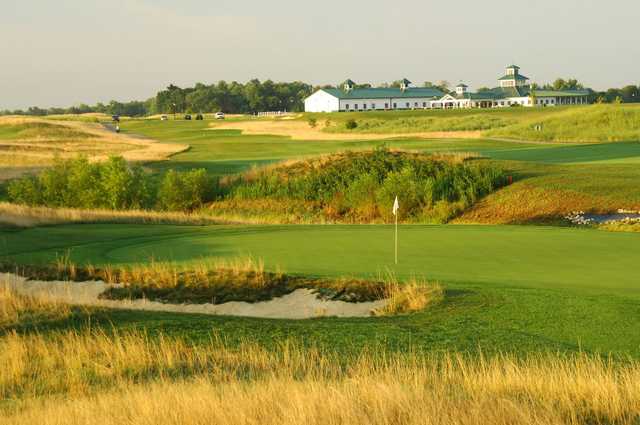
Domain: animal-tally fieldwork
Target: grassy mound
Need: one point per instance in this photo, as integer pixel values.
(597, 123)
(361, 187)
(30, 130)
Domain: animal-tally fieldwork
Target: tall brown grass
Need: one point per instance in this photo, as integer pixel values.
(95, 378)
(15, 309)
(409, 296)
(26, 216)
(220, 280)
(115, 377)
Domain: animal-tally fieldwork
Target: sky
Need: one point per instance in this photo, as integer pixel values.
(66, 52)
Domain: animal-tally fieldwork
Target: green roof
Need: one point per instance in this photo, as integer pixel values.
(561, 93)
(523, 91)
(513, 77)
(386, 93)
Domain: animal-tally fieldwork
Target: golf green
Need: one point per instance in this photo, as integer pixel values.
(513, 256)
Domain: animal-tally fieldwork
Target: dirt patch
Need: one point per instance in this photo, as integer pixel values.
(299, 304)
(300, 130)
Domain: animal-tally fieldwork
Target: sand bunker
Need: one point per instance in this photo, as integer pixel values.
(300, 130)
(300, 304)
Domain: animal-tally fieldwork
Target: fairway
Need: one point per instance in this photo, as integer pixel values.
(229, 151)
(506, 256)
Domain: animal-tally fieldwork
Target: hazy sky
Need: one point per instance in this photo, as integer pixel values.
(63, 52)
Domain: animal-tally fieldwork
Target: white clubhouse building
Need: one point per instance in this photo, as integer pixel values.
(514, 90)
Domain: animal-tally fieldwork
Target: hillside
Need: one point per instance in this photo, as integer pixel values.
(360, 187)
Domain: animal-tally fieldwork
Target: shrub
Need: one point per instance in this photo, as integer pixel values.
(185, 191)
(363, 185)
(312, 122)
(351, 124)
(77, 183)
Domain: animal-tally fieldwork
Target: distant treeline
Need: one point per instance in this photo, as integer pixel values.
(255, 96)
(232, 98)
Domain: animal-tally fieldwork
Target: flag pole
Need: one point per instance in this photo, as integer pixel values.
(396, 239)
(396, 207)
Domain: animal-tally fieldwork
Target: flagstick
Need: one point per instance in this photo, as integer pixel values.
(396, 239)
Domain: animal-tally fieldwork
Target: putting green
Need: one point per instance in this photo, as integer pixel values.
(519, 256)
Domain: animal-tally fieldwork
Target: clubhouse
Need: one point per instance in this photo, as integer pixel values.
(513, 90)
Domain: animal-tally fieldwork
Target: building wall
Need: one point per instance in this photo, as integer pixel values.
(321, 101)
(384, 103)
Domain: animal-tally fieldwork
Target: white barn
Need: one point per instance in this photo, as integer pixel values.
(350, 98)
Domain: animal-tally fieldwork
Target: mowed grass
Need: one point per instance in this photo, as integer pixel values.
(224, 152)
(508, 288)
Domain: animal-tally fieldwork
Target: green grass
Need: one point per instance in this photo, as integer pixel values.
(509, 288)
(596, 123)
(521, 256)
(224, 152)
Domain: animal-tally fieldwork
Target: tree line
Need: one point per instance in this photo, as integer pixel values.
(229, 97)
(255, 96)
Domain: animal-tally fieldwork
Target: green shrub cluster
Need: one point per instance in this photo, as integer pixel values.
(113, 184)
(362, 186)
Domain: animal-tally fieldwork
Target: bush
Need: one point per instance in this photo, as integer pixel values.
(312, 122)
(363, 186)
(185, 191)
(77, 183)
(351, 124)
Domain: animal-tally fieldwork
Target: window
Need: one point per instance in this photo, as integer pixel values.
(364, 106)
(415, 105)
(386, 106)
(424, 104)
(373, 106)
(355, 106)
(407, 105)
(346, 107)
(395, 105)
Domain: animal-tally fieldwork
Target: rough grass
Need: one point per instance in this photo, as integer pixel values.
(470, 122)
(129, 377)
(38, 141)
(240, 279)
(546, 193)
(15, 309)
(621, 226)
(595, 123)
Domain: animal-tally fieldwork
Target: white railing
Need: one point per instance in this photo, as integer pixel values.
(271, 113)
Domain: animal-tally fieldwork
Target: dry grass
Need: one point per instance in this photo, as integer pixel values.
(15, 309)
(25, 216)
(218, 281)
(37, 141)
(410, 296)
(300, 130)
(95, 378)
